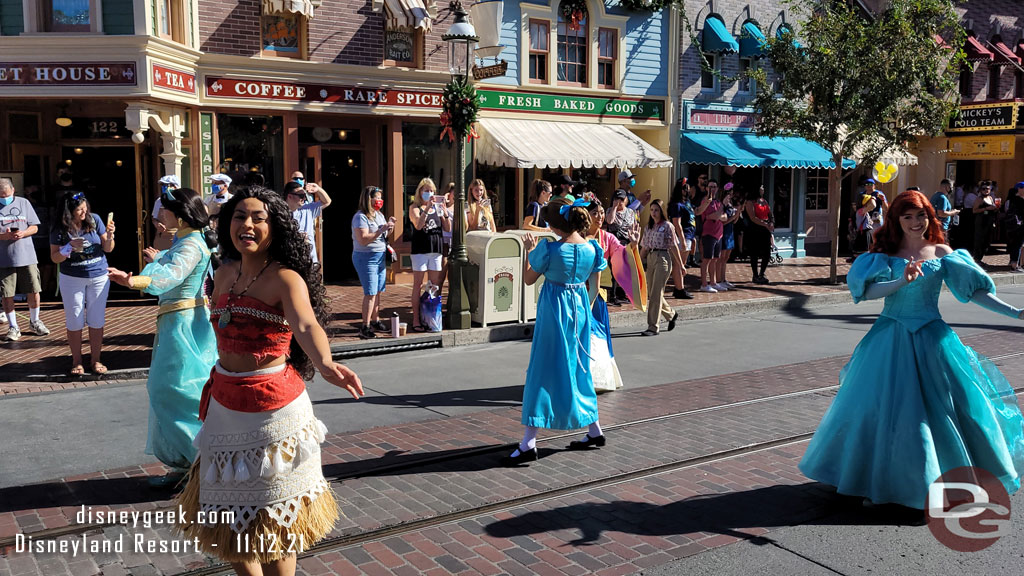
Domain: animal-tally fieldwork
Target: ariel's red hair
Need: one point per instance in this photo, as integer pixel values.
(889, 237)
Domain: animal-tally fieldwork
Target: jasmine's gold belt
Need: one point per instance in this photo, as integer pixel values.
(179, 305)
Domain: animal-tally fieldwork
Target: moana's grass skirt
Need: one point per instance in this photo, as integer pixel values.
(257, 492)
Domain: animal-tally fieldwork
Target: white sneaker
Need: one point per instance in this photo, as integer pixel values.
(729, 285)
(13, 334)
(708, 289)
(721, 287)
(38, 328)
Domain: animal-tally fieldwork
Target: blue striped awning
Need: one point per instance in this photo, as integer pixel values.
(748, 150)
(716, 38)
(751, 41)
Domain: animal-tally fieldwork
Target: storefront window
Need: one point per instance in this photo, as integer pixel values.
(252, 144)
(424, 155)
(599, 181)
(782, 198)
(500, 183)
(817, 189)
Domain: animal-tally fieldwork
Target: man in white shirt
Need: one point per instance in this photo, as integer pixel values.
(214, 202)
(306, 213)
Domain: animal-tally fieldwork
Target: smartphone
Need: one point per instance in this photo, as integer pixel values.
(110, 218)
(485, 202)
(13, 229)
(437, 199)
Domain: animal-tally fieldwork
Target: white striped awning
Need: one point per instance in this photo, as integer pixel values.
(301, 7)
(537, 144)
(410, 14)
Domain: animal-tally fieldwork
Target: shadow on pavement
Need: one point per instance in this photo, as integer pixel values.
(92, 492)
(484, 397)
(729, 514)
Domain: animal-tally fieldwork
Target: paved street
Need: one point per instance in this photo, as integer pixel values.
(699, 476)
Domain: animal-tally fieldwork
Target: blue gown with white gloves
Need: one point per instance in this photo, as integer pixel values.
(559, 391)
(184, 351)
(914, 402)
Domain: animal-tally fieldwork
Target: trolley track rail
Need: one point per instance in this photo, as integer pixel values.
(428, 460)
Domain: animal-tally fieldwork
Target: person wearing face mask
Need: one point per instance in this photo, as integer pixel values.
(164, 236)
(305, 212)
(430, 218)
(635, 203)
(220, 196)
(19, 266)
(369, 256)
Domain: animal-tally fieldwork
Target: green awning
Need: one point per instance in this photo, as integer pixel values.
(716, 38)
(748, 150)
(751, 41)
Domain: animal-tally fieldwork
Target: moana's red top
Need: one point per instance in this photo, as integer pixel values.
(245, 325)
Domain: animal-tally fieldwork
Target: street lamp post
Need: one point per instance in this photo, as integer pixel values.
(461, 38)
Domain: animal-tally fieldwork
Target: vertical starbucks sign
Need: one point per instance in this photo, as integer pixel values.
(206, 151)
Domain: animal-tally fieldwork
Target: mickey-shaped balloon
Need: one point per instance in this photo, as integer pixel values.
(884, 173)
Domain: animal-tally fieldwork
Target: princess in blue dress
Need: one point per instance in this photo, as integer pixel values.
(185, 348)
(559, 391)
(914, 402)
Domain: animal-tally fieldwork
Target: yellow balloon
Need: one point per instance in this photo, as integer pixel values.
(879, 166)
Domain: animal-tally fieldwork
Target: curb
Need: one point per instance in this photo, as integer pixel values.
(524, 330)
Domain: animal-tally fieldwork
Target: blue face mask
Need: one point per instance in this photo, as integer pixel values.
(426, 194)
(219, 188)
(7, 201)
(299, 181)
(632, 182)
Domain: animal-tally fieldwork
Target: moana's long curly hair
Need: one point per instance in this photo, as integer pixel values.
(889, 237)
(290, 249)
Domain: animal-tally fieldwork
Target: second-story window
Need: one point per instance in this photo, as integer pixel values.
(745, 85)
(1020, 84)
(172, 20)
(67, 15)
(540, 32)
(607, 41)
(993, 82)
(966, 80)
(572, 48)
(708, 79)
(283, 35)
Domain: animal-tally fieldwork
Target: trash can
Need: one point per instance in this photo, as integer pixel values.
(496, 289)
(532, 293)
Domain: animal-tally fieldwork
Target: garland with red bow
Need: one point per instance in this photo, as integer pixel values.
(575, 11)
(459, 110)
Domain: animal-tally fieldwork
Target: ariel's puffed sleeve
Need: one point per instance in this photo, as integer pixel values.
(868, 269)
(172, 266)
(540, 256)
(964, 277)
(600, 263)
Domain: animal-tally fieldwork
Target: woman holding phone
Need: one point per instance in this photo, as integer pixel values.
(430, 219)
(78, 245)
(369, 256)
(479, 208)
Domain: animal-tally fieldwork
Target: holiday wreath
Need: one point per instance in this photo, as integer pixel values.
(460, 108)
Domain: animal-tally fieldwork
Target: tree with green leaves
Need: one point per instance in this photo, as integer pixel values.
(855, 82)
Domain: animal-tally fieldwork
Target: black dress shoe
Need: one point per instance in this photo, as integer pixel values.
(585, 444)
(523, 458)
(671, 327)
(682, 294)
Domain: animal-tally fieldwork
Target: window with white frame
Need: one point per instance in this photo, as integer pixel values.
(708, 76)
(540, 32)
(607, 44)
(817, 189)
(572, 49)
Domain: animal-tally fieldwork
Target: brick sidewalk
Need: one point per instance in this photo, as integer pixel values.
(128, 334)
(614, 529)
